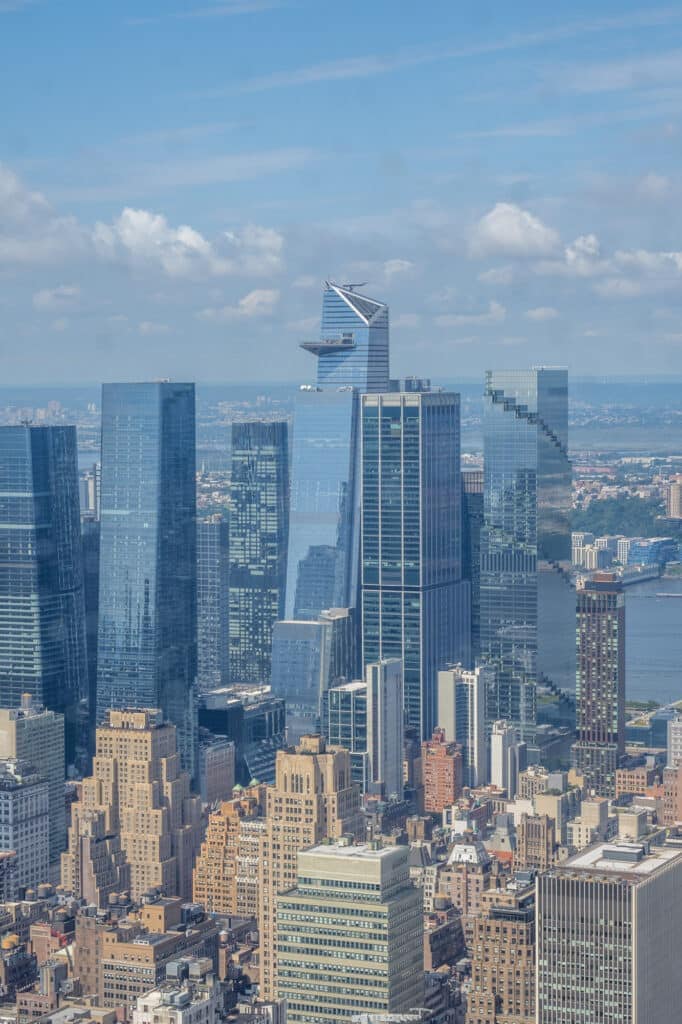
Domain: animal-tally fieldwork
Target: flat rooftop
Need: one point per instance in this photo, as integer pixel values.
(360, 852)
(626, 859)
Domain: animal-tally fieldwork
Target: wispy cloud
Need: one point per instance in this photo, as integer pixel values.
(257, 303)
(217, 10)
(496, 313)
(640, 72)
(369, 65)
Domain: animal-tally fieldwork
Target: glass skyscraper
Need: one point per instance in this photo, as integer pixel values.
(415, 605)
(472, 522)
(259, 526)
(146, 653)
(42, 609)
(352, 358)
(527, 598)
(213, 596)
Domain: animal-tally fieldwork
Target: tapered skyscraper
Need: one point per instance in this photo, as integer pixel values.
(259, 527)
(352, 358)
(42, 610)
(146, 653)
(527, 598)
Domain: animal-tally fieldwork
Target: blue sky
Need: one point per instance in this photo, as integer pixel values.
(178, 178)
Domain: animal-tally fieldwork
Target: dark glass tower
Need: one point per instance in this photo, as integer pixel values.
(42, 610)
(415, 605)
(213, 596)
(527, 598)
(472, 523)
(259, 526)
(146, 653)
(600, 678)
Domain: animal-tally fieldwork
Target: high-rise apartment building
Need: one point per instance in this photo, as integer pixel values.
(527, 598)
(213, 599)
(385, 727)
(25, 823)
(313, 799)
(673, 498)
(507, 757)
(415, 605)
(600, 693)
(146, 654)
(259, 526)
(345, 725)
(461, 715)
(503, 956)
(441, 773)
(350, 935)
(143, 796)
(42, 609)
(33, 734)
(472, 524)
(609, 928)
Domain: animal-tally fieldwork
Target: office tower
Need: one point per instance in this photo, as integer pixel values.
(600, 694)
(673, 497)
(33, 734)
(25, 822)
(345, 725)
(254, 721)
(350, 898)
(259, 526)
(218, 880)
(146, 652)
(503, 956)
(90, 541)
(507, 757)
(144, 796)
(441, 773)
(472, 524)
(90, 490)
(216, 767)
(414, 602)
(527, 599)
(461, 715)
(307, 658)
(385, 727)
(94, 867)
(42, 611)
(313, 799)
(609, 929)
(353, 345)
(213, 600)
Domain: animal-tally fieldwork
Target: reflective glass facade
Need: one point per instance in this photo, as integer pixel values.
(415, 605)
(147, 598)
(213, 596)
(472, 522)
(527, 599)
(353, 347)
(42, 609)
(259, 526)
(324, 509)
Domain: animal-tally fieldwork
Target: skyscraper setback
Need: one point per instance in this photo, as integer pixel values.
(146, 653)
(42, 610)
(259, 526)
(527, 598)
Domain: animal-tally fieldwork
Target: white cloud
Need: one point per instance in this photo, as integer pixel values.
(149, 327)
(654, 186)
(618, 288)
(30, 231)
(508, 228)
(497, 275)
(257, 303)
(542, 313)
(496, 314)
(62, 297)
(394, 268)
(256, 250)
(581, 258)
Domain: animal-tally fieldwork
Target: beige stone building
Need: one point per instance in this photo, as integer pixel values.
(503, 958)
(144, 797)
(229, 857)
(535, 842)
(313, 799)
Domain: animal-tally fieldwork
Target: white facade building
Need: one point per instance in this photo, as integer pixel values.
(461, 713)
(25, 821)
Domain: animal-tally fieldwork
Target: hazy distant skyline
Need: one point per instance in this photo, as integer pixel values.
(178, 178)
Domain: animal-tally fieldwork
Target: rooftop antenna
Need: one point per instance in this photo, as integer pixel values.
(352, 287)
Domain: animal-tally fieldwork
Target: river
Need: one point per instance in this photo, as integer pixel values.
(653, 640)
